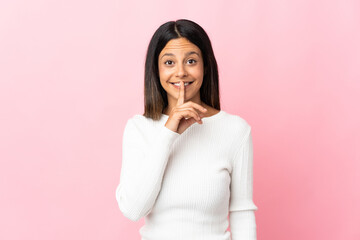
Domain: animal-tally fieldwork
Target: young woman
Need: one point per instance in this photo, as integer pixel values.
(187, 165)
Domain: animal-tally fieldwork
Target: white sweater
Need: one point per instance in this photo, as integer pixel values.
(185, 185)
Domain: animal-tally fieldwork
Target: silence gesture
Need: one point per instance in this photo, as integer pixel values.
(183, 115)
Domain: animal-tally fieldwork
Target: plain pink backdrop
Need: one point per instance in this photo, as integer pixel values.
(71, 74)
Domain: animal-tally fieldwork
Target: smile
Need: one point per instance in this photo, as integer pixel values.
(177, 85)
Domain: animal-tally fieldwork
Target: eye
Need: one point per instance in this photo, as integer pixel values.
(167, 62)
(192, 60)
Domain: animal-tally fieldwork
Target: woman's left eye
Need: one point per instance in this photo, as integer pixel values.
(192, 60)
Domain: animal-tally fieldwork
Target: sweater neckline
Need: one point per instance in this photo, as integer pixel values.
(204, 119)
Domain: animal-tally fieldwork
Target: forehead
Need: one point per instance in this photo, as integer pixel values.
(179, 45)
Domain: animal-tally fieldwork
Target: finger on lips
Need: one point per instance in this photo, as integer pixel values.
(181, 101)
(181, 93)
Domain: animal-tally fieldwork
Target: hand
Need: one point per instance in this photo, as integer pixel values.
(183, 115)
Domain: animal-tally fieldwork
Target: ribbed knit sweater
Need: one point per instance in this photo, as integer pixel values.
(187, 185)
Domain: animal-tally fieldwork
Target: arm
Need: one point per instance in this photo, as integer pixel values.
(242, 207)
(143, 166)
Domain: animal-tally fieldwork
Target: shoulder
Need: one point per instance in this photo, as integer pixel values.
(138, 119)
(237, 123)
(241, 133)
(141, 124)
(239, 129)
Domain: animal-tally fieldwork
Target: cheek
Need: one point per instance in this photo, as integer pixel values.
(198, 72)
(199, 75)
(163, 73)
(164, 78)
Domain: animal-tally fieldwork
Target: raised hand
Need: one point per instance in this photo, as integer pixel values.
(183, 115)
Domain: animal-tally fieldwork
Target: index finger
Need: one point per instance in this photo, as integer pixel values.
(181, 98)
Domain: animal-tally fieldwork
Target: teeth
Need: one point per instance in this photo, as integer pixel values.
(178, 84)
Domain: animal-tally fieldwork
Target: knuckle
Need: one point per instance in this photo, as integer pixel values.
(196, 105)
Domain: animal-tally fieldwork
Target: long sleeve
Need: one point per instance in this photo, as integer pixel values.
(242, 207)
(144, 160)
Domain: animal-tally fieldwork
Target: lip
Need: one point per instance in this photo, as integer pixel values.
(178, 87)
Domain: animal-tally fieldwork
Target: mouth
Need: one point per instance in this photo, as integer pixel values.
(177, 84)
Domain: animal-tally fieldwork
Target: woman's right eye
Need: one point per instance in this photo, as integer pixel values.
(167, 62)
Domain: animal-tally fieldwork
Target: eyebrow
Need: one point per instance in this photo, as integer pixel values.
(187, 54)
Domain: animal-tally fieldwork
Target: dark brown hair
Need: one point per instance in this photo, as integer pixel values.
(155, 97)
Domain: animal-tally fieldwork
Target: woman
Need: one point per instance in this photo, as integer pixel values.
(186, 164)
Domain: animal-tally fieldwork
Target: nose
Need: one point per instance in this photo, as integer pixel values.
(181, 71)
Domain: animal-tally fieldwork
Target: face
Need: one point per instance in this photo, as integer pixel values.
(181, 60)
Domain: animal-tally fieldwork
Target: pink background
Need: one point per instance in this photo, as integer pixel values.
(71, 74)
